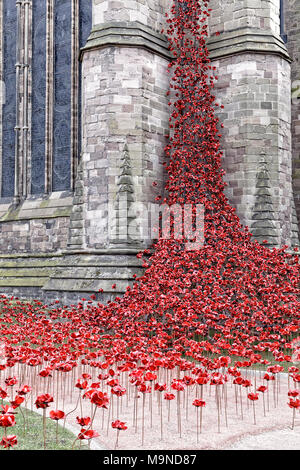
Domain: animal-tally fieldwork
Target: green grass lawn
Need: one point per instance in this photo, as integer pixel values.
(32, 439)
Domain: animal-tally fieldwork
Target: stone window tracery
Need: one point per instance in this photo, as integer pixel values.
(40, 133)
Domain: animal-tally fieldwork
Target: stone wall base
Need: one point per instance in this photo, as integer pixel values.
(68, 277)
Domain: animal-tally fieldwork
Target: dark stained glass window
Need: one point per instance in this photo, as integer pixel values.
(63, 49)
(9, 107)
(62, 97)
(38, 130)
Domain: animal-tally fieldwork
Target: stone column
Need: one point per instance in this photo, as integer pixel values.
(2, 89)
(292, 28)
(255, 87)
(125, 117)
(125, 113)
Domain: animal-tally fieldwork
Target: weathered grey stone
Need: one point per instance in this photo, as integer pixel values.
(132, 34)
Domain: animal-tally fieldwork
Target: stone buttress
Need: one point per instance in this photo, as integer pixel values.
(292, 29)
(254, 85)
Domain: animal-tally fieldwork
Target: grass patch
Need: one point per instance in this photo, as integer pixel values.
(32, 439)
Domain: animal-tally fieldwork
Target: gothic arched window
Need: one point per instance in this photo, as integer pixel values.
(282, 22)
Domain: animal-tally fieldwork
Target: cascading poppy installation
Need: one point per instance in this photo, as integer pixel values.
(188, 334)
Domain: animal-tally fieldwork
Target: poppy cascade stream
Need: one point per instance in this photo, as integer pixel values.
(192, 326)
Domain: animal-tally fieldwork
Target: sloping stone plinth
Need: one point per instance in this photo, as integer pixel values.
(69, 277)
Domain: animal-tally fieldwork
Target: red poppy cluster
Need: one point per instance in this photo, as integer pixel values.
(196, 318)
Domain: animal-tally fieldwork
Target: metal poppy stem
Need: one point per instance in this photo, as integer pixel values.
(44, 427)
(201, 411)
(24, 421)
(241, 402)
(218, 408)
(108, 417)
(254, 417)
(143, 420)
(151, 408)
(161, 418)
(80, 401)
(197, 409)
(72, 411)
(225, 404)
(136, 413)
(93, 417)
(236, 398)
(117, 441)
(178, 413)
(74, 443)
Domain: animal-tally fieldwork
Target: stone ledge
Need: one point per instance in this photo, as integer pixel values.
(91, 272)
(87, 285)
(246, 40)
(78, 258)
(29, 271)
(136, 34)
(129, 34)
(25, 256)
(73, 273)
(57, 204)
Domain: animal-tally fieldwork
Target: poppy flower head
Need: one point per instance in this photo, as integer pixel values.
(199, 403)
(11, 381)
(253, 396)
(99, 399)
(7, 420)
(82, 385)
(120, 425)
(17, 401)
(24, 390)
(9, 441)
(293, 393)
(87, 434)
(3, 393)
(56, 415)
(169, 396)
(43, 401)
(83, 421)
(160, 387)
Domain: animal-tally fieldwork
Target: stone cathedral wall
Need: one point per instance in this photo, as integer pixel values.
(84, 124)
(292, 27)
